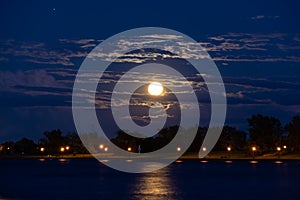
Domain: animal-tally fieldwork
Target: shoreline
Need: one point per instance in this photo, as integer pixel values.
(191, 156)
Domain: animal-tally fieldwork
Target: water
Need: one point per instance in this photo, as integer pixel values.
(191, 179)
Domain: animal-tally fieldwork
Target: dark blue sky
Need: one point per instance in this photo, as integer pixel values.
(255, 44)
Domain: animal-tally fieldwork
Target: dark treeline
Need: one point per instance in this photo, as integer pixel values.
(265, 133)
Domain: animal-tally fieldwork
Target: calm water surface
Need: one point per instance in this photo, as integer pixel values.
(89, 179)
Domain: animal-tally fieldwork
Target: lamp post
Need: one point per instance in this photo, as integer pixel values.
(284, 147)
(228, 150)
(278, 152)
(253, 152)
(62, 150)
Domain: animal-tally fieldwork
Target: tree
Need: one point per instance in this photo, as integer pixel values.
(197, 142)
(53, 141)
(76, 144)
(293, 138)
(162, 138)
(25, 146)
(8, 147)
(265, 132)
(231, 137)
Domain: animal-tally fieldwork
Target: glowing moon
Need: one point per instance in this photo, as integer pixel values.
(155, 88)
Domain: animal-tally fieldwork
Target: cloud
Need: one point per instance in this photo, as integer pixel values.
(39, 53)
(238, 94)
(256, 59)
(231, 47)
(162, 36)
(258, 17)
(80, 41)
(32, 82)
(37, 77)
(3, 59)
(258, 91)
(263, 17)
(84, 43)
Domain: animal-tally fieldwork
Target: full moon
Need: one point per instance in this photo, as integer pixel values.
(155, 88)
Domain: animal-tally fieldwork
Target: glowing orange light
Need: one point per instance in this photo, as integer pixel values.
(253, 148)
(42, 149)
(228, 148)
(62, 149)
(129, 149)
(278, 149)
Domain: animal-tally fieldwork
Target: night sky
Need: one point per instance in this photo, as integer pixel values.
(255, 44)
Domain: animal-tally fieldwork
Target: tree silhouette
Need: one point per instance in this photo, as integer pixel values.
(265, 132)
(25, 146)
(293, 138)
(8, 147)
(231, 137)
(197, 142)
(75, 143)
(53, 141)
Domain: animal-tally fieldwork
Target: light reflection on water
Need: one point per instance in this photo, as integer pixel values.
(278, 162)
(190, 179)
(155, 185)
(204, 161)
(253, 161)
(63, 160)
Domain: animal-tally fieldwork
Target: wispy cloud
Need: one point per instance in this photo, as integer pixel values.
(32, 82)
(258, 17)
(39, 53)
(231, 47)
(263, 17)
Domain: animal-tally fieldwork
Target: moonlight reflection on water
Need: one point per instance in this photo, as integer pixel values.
(189, 179)
(156, 185)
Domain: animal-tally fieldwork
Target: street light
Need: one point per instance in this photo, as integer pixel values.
(228, 150)
(67, 148)
(178, 149)
(62, 149)
(204, 149)
(106, 149)
(278, 150)
(284, 146)
(129, 149)
(42, 149)
(253, 151)
(101, 146)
